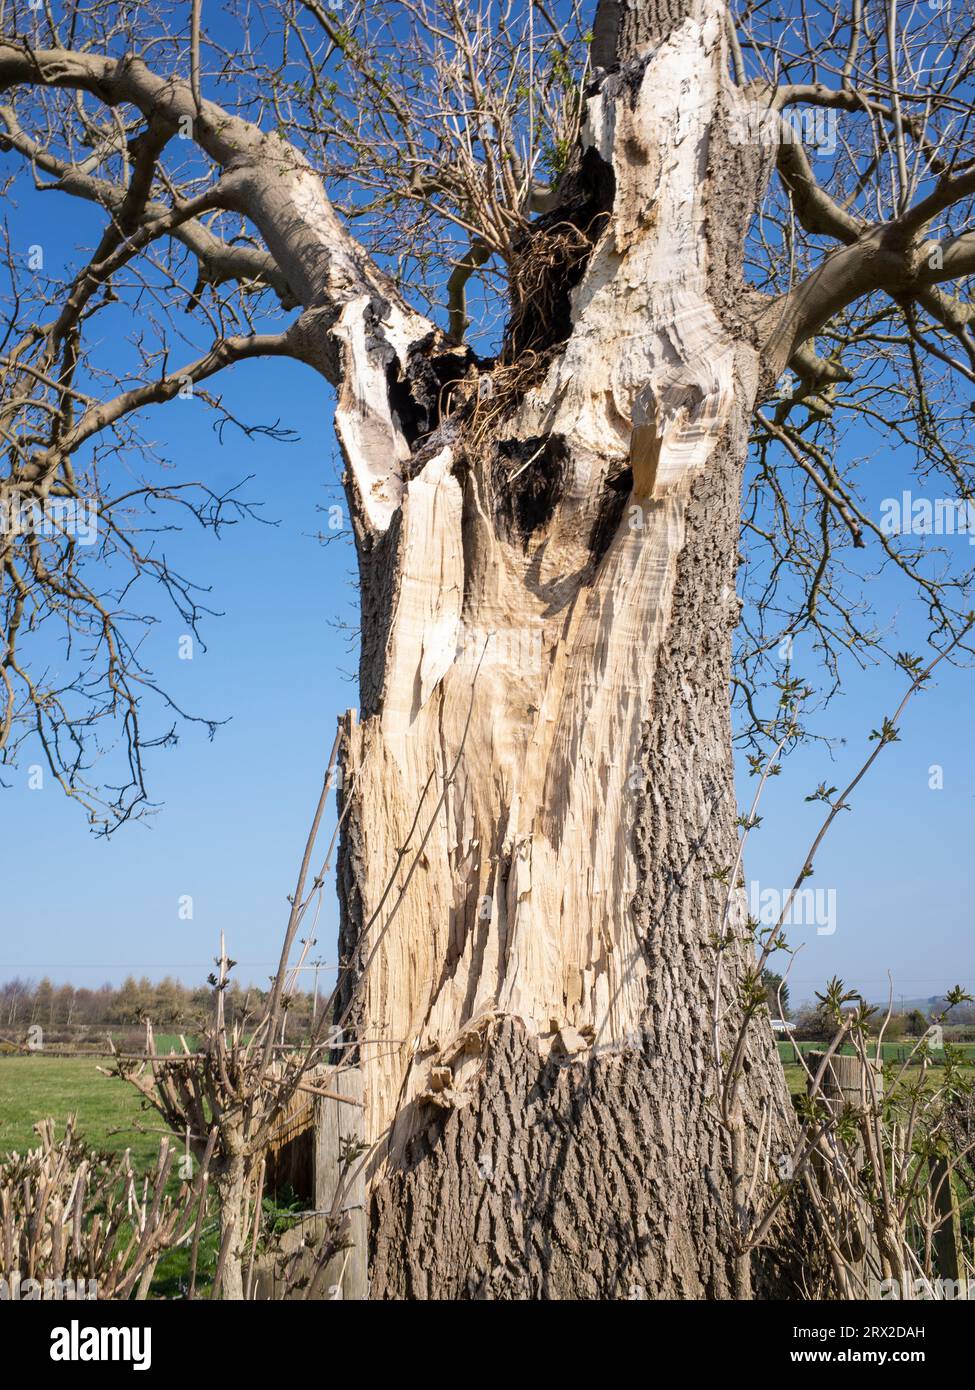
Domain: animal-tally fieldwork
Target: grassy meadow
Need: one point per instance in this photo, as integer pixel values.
(111, 1114)
(108, 1109)
(892, 1052)
(111, 1117)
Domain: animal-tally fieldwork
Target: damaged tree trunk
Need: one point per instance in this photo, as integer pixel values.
(539, 816)
(539, 794)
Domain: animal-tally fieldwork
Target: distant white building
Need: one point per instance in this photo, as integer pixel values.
(779, 1025)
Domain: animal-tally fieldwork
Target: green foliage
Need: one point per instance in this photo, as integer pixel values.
(823, 793)
(280, 1213)
(775, 989)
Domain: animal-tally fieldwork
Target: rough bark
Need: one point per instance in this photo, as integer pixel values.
(540, 785)
(232, 1190)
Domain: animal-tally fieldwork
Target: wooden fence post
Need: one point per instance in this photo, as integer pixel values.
(338, 1124)
(842, 1079)
(949, 1260)
(843, 1083)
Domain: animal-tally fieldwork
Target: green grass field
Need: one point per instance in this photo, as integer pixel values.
(108, 1110)
(892, 1052)
(111, 1117)
(110, 1113)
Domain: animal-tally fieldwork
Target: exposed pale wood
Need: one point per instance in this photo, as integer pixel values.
(521, 902)
(542, 772)
(371, 437)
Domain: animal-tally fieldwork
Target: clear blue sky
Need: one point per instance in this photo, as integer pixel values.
(235, 810)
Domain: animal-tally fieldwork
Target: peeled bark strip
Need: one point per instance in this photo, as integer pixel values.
(541, 783)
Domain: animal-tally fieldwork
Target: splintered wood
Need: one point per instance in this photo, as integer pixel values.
(517, 672)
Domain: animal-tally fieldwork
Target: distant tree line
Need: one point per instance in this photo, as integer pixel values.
(172, 1005)
(813, 1024)
(168, 1003)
